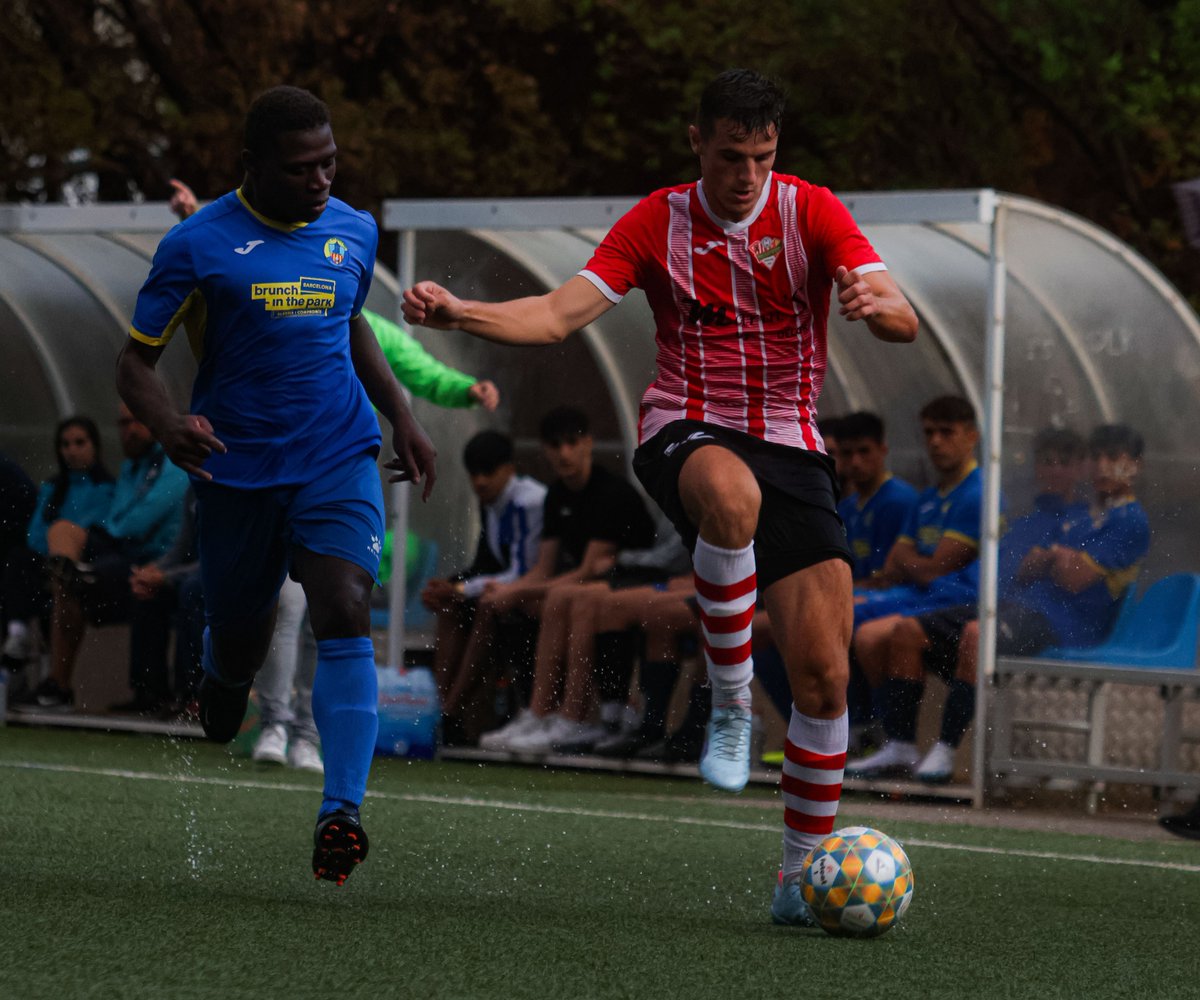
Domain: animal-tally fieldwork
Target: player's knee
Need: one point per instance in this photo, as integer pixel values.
(346, 613)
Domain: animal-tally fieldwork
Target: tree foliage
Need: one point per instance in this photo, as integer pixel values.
(1088, 105)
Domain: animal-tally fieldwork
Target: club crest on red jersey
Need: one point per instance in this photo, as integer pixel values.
(766, 250)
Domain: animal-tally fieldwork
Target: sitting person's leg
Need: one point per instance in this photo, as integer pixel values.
(926, 641)
(66, 541)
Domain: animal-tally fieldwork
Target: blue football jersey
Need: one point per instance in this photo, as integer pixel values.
(1114, 542)
(267, 308)
(953, 514)
(873, 525)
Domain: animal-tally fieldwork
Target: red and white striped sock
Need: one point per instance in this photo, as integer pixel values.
(726, 590)
(813, 760)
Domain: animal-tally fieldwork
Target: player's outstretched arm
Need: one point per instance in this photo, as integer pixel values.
(538, 319)
(874, 298)
(416, 457)
(187, 438)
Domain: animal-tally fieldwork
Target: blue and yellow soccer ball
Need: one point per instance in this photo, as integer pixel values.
(858, 882)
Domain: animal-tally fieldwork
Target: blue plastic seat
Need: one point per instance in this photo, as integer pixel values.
(1160, 630)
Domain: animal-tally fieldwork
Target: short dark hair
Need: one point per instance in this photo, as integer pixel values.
(563, 422)
(486, 452)
(830, 427)
(859, 425)
(748, 99)
(1059, 441)
(950, 410)
(282, 109)
(1116, 439)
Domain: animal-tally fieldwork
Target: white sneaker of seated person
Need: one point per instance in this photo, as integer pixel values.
(498, 739)
(571, 737)
(539, 737)
(937, 766)
(894, 757)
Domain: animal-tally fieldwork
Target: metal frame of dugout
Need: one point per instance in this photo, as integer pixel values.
(939, 210)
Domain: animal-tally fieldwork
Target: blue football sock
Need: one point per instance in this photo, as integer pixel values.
(345, 708)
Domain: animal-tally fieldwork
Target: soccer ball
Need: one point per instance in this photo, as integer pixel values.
(858, 882)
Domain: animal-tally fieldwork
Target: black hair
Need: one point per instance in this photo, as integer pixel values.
(949, 410)
(1060, 441)
(861, 425)
(282, 109)
(830, 427)
(748, 99)
(1116, 439)
(486, 452)
(97, 472)
(563, 422)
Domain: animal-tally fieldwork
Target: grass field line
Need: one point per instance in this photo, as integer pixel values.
(471, 802)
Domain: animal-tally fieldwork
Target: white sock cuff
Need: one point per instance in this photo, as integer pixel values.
(825, 736)
(720, 565)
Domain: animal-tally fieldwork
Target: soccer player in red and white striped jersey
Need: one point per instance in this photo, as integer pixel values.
(738, 269)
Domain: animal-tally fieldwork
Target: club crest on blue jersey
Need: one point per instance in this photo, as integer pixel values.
(335, 251)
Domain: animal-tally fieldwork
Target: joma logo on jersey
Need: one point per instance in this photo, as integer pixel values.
(335, 251)
(700, 314)
(302, 297)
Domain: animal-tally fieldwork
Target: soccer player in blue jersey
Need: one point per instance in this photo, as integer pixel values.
(930, 564)
(281, 441)
(1064, 591)
(881, 504)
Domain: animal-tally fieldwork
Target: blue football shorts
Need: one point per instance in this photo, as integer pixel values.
(245, 537)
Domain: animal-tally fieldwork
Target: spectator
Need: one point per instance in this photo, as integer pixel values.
(167, 595)
(931, 564)
(879, 508)
(942, 533)
(589, 515)
(79, 492)
(670, 624)
(92, 566)
(509, 539)
(585, 642)
(1065, 592)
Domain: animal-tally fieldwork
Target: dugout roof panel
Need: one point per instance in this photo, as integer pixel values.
(1093, 332)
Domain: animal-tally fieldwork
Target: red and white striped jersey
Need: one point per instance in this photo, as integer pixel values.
(740, 308)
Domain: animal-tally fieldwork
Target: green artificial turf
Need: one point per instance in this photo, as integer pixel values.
(491, 881)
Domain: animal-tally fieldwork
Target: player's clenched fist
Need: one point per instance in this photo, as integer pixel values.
(857, 298)
(429, 304)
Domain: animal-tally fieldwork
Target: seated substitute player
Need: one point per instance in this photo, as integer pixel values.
(589, 515)
(738, 269)
(1065, 592)
(509, 536)
(933, 563)
(878, 509)
(281, 441)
